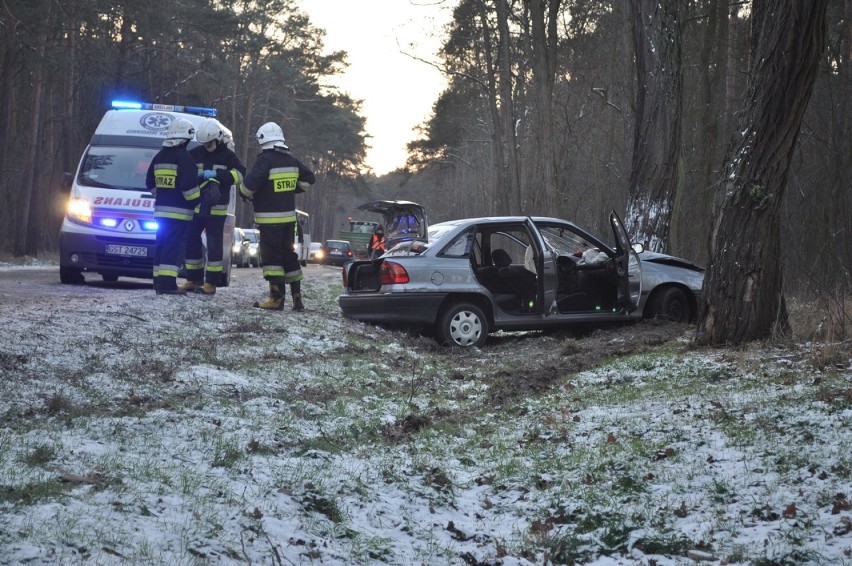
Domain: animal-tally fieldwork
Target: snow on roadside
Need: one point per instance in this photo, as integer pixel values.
(182, 430)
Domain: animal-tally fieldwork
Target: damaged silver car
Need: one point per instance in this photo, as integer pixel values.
(464, 279)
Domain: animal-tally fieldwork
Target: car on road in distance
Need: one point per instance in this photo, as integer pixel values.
(237, 245)
(336, 252)
(315, 253)
(249, 250)
(464, 279)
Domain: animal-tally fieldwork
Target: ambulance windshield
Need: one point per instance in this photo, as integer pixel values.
(122, 168)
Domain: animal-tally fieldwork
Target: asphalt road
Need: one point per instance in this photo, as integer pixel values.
(26, 284)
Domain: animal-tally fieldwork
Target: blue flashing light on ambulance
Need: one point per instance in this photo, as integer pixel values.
(109, 226)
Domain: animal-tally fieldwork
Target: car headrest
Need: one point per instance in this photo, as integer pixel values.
(501, 258)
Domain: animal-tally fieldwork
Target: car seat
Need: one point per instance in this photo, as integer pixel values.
(515, 280)
(501, 258)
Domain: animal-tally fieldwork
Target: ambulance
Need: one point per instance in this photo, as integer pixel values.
(109, 226)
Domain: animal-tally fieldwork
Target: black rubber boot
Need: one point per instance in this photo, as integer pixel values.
(296, 291)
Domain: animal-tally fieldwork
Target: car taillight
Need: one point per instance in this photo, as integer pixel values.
(393, 273)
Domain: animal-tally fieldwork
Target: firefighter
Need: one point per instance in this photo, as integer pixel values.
(271, 185)
(376, 247)
(219, 169)
(173, 179)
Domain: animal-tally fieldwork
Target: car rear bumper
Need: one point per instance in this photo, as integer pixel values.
(411, 308)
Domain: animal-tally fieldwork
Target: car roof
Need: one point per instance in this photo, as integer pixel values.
(499, 219)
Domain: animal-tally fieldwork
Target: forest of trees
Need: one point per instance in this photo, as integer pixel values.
(567, 108)
(63, 61)
(645, 101)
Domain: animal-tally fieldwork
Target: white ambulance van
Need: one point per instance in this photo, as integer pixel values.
(109, 226)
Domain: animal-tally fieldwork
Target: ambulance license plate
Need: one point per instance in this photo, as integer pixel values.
(117, 249)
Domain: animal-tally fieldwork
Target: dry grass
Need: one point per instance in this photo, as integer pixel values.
(825, 318)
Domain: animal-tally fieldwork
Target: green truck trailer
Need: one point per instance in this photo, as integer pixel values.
(358, 234)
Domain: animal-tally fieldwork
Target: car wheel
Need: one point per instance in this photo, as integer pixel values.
(71, 276)
(671, 304)
(462, 324)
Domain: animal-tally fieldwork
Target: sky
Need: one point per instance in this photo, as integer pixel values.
(384, 40)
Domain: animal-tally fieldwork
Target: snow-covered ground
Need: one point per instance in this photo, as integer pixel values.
(137, 428)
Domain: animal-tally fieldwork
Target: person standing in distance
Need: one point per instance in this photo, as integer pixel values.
(376, 247)
(173, 179)
(219, 169)
(271, 185)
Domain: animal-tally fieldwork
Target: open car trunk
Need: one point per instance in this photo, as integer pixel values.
(404, 221)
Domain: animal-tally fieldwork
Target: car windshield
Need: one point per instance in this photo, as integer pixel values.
(566, 242)
(338, 245)
(122, 168)
(251, 236)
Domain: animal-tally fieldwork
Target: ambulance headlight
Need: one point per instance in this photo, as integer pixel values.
(80, 209)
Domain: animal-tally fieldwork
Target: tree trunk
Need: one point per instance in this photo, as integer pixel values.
(501, 203)
(507, 112)
(544, 44)
(31, 163)
(654, 174)
(743, 297)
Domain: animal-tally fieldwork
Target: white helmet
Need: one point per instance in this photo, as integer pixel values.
(270, 135)
(209, 130)
(228, 138)
(180, 131)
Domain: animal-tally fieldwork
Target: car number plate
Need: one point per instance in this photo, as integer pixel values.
(336, 252)
(117, 249)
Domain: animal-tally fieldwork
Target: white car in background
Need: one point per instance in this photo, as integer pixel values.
(246, 250)
(315, 253)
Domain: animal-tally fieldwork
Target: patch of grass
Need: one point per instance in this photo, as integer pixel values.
(38, 455)
(670, 545)
(226, 453)
(313, 500)
(58, 404)
(34, 492)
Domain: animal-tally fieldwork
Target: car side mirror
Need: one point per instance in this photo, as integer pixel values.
(638, 248)
(66, 182)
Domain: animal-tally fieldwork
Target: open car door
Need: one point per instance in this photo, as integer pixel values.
(545, 265)
(628, 266)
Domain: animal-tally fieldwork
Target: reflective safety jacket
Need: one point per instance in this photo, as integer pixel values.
(272, 184)
(229, 171)
(173, 177)
(377, 242)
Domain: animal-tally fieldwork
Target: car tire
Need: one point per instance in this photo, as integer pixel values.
(671, 304)
(71, 276)
(462, 324)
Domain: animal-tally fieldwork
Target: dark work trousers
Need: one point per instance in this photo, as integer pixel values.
(279, 260)
(215, 227)
(168, 253)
